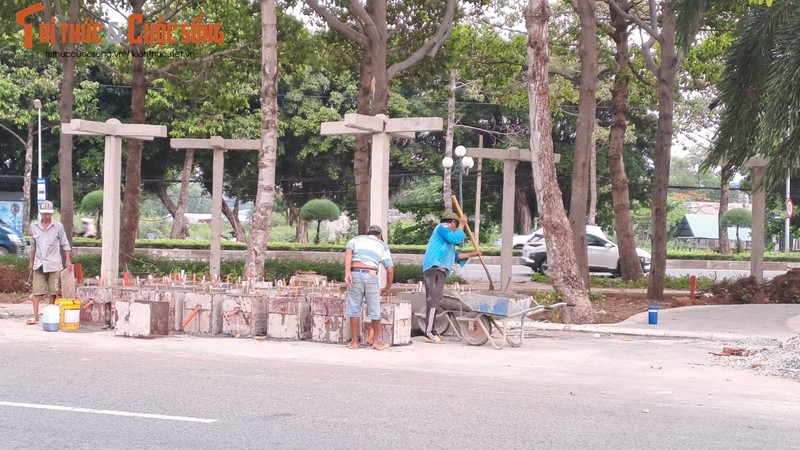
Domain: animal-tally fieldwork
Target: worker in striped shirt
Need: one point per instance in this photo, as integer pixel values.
(361, 259)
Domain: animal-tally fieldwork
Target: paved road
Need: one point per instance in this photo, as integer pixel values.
(473, 271)
(565, 390)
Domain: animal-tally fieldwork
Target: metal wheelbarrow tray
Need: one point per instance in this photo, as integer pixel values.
(473, 315)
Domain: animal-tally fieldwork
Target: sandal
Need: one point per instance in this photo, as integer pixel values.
(32, 321)
(436, 339)
(381, 346)
(351, 346)
(370, 336)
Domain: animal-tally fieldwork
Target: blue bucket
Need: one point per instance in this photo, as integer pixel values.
(652, 315)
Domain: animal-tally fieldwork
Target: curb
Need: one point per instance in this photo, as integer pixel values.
(612, 329)
(13, 314)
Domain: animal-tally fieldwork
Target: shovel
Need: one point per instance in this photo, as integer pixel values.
(474, 242)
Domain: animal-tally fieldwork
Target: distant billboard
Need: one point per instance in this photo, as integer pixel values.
(11, 215)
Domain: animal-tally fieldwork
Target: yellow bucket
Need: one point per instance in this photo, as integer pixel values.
(70, 313)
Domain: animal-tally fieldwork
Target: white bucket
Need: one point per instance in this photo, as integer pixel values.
(50, 318)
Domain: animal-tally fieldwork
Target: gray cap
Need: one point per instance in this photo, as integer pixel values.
(46, 207)
(374, 229)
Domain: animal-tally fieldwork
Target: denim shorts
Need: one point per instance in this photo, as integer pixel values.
(365, 287)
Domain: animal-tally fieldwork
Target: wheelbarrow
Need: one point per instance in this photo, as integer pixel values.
(474, 316)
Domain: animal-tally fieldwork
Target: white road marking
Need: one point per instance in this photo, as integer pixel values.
(107, 411)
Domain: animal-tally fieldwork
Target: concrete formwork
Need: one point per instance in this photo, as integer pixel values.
(296, 313)
(206, 309)
(142, 318)
(289, 316)
(96, 305)
(395, 322)
(329, 323)
(244, 314)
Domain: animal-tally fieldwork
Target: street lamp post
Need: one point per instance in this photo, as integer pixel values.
(464, 164)
(41, 189)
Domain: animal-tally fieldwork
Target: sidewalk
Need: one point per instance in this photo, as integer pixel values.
(718, 322)
(775, 322)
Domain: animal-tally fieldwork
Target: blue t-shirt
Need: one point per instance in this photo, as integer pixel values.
(441, 249)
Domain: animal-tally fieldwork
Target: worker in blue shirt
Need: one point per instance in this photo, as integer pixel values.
(436, 264)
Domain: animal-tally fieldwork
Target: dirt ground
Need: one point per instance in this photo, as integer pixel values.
(615, 305)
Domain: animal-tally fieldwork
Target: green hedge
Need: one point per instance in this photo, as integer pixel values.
(681, 282)
(416, 249)
(190, 244)
(273, 268)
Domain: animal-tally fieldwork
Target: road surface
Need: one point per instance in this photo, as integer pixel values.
(93, 390)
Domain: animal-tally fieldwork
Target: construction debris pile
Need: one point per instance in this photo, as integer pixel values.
(779, 361)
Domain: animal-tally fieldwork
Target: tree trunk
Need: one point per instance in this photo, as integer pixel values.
(179, 228)
(592, 217)
(447, 185)
(522, 210)
(267, 155)
(361, 171)
(738, 241)
(316, 238)
(65, 105)
(373, 90)
(26, 184)
(373, 98)
(666, 75)
(566, 279)
(129, 222)
(629, 263)
(233, 219)
(724, 195)
(162, 195)
(300, 225)
(578, 205)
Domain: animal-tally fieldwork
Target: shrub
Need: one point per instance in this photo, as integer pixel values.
(319, 209)
(410, 232)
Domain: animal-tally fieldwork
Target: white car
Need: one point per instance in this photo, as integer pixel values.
(519, 240)
(603, 254)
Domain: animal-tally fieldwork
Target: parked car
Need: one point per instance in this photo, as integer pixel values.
(518, 240)
(10, 242)
(537, 235)
(603, 254)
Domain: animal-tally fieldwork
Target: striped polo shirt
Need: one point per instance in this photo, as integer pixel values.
(370, 251)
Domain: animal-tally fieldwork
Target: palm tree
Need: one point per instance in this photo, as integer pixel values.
(757, 92)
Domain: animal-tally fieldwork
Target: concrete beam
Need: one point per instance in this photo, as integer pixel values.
(756, 161)
(66, 128)
(403, 134)
(373, 124)
(337, 128)
(216, 142)
(113, 127)
(414, 124)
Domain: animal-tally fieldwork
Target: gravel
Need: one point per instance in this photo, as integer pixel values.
(782, 360)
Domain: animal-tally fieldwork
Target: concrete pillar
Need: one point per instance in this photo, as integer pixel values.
(112, 167)
(216, 214)
(507, 227)
(757, 235)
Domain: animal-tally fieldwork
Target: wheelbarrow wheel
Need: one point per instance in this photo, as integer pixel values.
(440, 324)
(471, 330)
